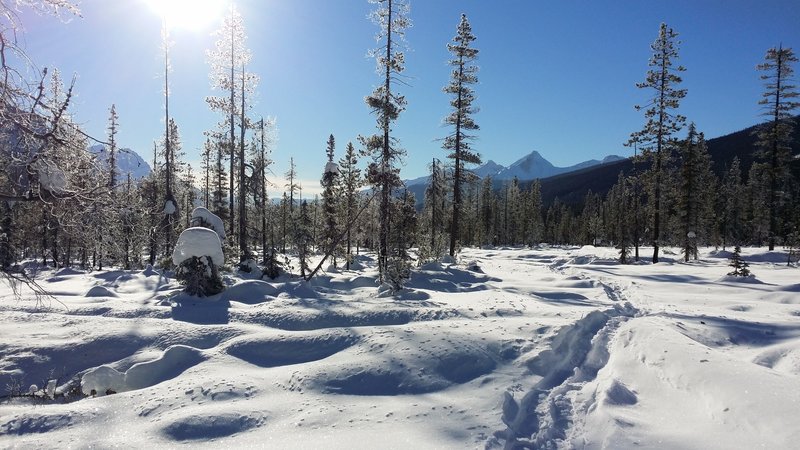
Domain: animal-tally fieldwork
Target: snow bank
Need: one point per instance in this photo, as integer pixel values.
(174, 361)
(101, 380)
(203, 217)
(198, 241)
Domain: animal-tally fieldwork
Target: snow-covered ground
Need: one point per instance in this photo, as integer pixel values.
(548, 347)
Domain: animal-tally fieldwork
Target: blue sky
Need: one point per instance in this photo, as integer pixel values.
(556, 76)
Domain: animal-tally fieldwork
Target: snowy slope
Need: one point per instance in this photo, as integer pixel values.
(546, 347)
(534, 165)
(128, 161)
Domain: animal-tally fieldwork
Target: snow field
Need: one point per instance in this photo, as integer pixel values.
(547, 347)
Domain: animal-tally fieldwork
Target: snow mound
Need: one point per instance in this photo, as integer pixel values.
(296, 348)
(201, 217)
(736, 279)
(102, 380)
(447, 259)
(150, 272)
(250, 292)
(199, 242)
(433, 266)
(174, 361)
(99, 291)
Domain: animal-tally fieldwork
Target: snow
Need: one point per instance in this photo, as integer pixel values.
(548, 348)
(170, 207)
(51, 177)
(199, 242)
(210, 219)
(331, 167)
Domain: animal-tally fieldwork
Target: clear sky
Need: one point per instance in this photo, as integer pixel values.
(556, 76)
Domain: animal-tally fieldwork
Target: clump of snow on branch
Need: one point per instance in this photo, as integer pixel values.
(332, 167)
(51, 177)
(170, 207)
(202, 217)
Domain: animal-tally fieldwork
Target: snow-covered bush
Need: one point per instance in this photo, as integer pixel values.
(198, 254)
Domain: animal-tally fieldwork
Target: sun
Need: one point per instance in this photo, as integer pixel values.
(190, 14)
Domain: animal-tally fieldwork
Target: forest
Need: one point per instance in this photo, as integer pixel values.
(648, 301)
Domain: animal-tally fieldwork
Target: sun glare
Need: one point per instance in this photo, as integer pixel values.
(190, 14)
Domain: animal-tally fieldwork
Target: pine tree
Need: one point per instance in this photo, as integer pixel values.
(432, 244)
(740, 266)
(329, 200)
(731, 205)
(695, 191)
(618, 204)
(303, 237)
(487, 213)
(350, 182)
(112, 141)
(534, 225)
(774, 138)
(228, 60)
(262, 163)
(391, 16)
(458, 142)
(656, 136)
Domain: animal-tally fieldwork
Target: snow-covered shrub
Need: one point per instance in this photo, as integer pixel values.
(198, 254)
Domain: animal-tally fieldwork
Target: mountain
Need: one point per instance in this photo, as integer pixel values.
(489, 169)
(530, 167)
(128, 161)
(571, 188)
(535, 166)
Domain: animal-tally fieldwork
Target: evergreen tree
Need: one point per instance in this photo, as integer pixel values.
(391, 16)
(774, 138)
(487, 213)
(740, 266)
(350, 182)
(399, 269)
(229, 59)
(303, 237)
(329, 200)
(112, 141)
(731, 205)
(433, 221)
(534, 225)
(262, 163)
(458, 142)
(656, 136)
(695, 191)
(618, 203)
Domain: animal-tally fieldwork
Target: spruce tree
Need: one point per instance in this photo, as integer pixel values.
(774, 138)
(695, 191)
(350, 181)
(740, 266)
(228, 60)
(329, 200)
(458, 143)
(112, 141)
(656, 137)
(303, 237)
(391, 16)
(433, 220)
(487, 213)
(731, 205)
